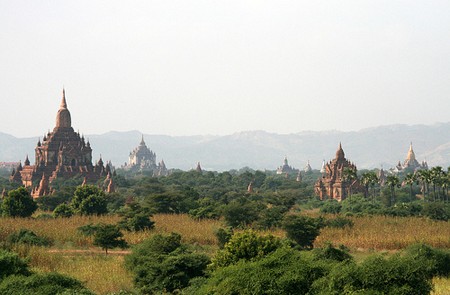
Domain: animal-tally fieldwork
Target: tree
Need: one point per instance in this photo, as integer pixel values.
(246, 246)
(12, 264)
(237, 213)
(42, 284)
(108, 236)
(424, 176)
(285, 271)
(410, 179)
(350, 177)
(163, 264)
(437, 176)
(392, 182)
(89, 200)
(18, 203)
(302, 229)
(28, 237)
(63, 210)
(369, 179)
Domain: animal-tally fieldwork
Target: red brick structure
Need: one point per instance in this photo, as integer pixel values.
(333, 184)
(62, 153)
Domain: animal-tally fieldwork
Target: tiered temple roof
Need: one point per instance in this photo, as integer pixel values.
(62, 153)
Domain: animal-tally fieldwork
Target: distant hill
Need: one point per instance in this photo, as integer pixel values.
(367, 148)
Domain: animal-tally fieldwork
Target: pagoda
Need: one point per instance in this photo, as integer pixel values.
(63, 153)
(333, 184)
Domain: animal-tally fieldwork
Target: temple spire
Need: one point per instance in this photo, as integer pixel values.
(340, 152)
(63, 100)
(142, 140)
(63, 119)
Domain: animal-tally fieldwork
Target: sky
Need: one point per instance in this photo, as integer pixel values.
(219, 67)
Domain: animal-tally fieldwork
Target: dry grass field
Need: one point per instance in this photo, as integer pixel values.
(73, 254)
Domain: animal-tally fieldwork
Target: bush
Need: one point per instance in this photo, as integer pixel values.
(375, 275)
(271, 217)
(246, 246)
(42, 284)
(137, 222)
(339, 222)
(358, 204)
(89, 200)
(164, 264)
(108, 236)
(63, 210)
(223, 236)
(284, 271)
(27, 237)
(302, 229)
(239, 214)
(331, 206)
(18, 203)
(332, 253)
(12, 264)
(435, 261)
(88, 229)
(436, 211)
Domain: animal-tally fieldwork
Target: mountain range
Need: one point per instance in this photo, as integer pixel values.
(375, 147)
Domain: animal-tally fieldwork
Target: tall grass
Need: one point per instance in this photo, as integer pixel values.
(100, 273)
(388, 233)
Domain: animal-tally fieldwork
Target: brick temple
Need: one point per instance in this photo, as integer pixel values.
(62, 153)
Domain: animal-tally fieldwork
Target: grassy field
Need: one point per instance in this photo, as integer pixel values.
(73, 254)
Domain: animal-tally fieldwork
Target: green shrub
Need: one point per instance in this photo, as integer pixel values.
(435, 261)
(271, 217)
(358, 204)
(42, 284)
(88, 229)
(375, 275)
(89, 200)
(137, 222)
(63, 210)
(331, 206)
(284, 271)
(239, 214)
(27, 237)
(108, 236)
(437, 211)
(246, 246)
(332, 253)
(302, 229)
(223, 236)
(12, 264)
(18, 203)
(164, 264)
(339, 222)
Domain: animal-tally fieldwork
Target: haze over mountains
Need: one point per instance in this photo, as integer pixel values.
(367, 148)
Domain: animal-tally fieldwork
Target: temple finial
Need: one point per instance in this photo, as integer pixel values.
(63, 101)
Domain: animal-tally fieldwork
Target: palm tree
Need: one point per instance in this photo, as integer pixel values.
(410, 179)
(424, 176)
(350, 177)
(369, 179)
(392, 182)
(436, 177)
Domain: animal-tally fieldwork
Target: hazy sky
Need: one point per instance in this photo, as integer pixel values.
(216, 67)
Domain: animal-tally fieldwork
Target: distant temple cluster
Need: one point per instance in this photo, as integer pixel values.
(287, 169)
(410, 164)
(142, 159)
(62, 153)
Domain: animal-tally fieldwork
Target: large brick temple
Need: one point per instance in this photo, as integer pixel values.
(62, 153)
(333, 183)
